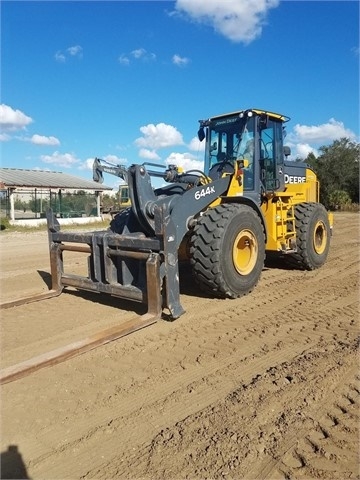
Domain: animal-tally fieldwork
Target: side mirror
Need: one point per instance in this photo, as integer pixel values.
(287, 151)
(201, 134)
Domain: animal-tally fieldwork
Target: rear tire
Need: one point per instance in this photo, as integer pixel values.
(312, 236)
(227, 250)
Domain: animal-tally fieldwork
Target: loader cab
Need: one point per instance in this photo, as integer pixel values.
(252, 135)
(271, 153)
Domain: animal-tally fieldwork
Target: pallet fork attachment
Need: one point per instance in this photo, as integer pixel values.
(128, 266)
(111, 259)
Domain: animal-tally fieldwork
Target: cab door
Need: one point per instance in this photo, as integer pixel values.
(271, 154)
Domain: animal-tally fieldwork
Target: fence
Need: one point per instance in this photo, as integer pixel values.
(29, 204)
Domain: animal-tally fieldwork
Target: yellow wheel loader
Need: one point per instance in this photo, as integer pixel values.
(247, 202)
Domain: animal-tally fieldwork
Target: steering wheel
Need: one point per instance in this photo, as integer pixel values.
(219, 168)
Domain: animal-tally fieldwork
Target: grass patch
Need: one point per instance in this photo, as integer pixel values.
(5, 227)
(4, 223)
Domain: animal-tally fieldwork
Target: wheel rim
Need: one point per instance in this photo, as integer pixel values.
(245, 252)
(320, 238)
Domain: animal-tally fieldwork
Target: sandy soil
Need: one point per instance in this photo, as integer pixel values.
(263, 387)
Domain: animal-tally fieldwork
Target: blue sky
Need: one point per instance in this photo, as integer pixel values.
(127, 81)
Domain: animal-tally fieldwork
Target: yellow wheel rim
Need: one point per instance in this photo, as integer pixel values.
(320, 237)
(245, 252)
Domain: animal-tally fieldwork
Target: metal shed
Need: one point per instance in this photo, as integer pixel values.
(44, 188)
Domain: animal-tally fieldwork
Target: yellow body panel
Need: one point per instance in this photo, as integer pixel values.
(307, 191)
(279, 212)
(280, 222)
(279, 208)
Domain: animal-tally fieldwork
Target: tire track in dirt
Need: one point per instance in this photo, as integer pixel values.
(208, 443)
(193, 397)
(329, 449)
(226, 337)
(212, 381)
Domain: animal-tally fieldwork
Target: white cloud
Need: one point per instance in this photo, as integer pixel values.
(4, 137)
(327, 132)
(180, 61)
(142, 54)
(185, 160)
(87, 165)
(60, 57)
(139, 54)
(12, 120)
(74, 51)
(301, 150)
(305, 139)
(123, 59)
(149, 154)
(65, 160)
(42, 140)
(159, 136)
(196, 146)
(237, 20)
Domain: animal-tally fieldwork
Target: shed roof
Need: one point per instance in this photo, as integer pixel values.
(15, 177)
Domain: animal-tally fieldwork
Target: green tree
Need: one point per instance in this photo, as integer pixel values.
(78, 202)
(339, 199)
(108, 201)
(19, 204)
(337, 168)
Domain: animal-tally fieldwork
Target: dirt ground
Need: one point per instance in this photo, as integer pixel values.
(263, 387)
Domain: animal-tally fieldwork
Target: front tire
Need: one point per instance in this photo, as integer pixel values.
(125, 222)
(227, 250)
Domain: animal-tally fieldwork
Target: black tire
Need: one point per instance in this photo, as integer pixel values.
(124, 222)
(227, 250)
(312, 236)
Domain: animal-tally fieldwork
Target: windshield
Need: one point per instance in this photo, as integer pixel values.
(230, 139)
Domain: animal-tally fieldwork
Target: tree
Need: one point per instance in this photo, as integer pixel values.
(337, 168)
(339, 199)
(107, 201)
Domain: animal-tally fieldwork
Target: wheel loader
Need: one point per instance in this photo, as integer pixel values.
(248, 201)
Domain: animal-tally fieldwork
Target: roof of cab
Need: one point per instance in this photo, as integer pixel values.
(277, 116)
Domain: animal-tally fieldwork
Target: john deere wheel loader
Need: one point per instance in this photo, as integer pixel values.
(248, 201)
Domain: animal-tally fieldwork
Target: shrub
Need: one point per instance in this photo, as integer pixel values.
(4, 223)
(339, 200)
